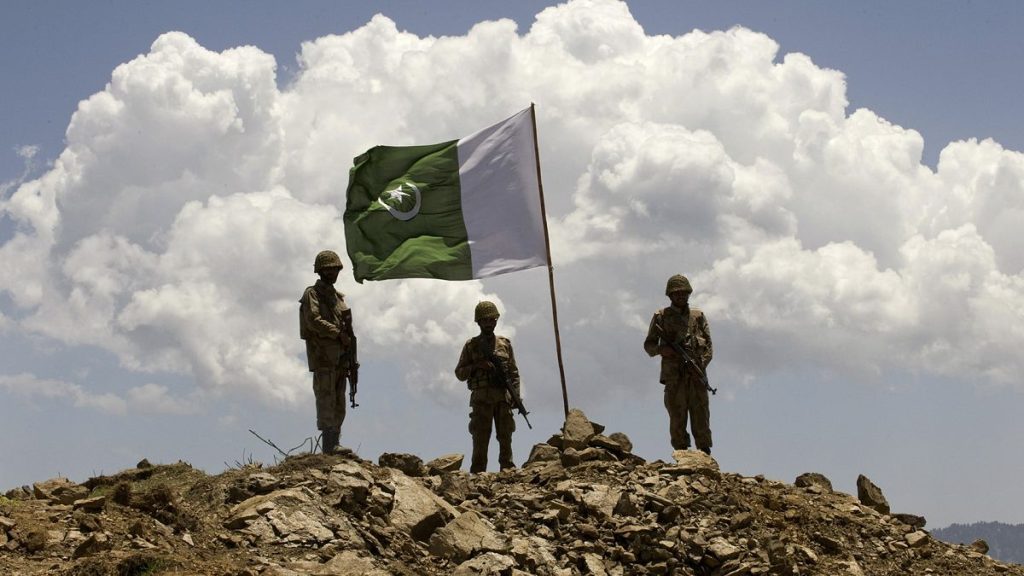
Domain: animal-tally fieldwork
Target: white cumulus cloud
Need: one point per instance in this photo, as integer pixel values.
(30, 387)
(178, 227)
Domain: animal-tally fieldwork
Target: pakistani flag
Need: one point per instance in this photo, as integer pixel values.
(457, 210)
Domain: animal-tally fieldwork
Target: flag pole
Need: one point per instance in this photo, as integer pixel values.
(551, 270)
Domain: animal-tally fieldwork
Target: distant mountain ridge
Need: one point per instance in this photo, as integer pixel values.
(1005, 541)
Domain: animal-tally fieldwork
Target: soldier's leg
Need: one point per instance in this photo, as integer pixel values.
(480, 430)
(700, 414)
(675, 403)
(329, 441)
(325, 393)
(504, 425)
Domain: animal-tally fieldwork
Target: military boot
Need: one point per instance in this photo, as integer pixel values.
(479, 460)
(330, 441)
(336, 436)
(505, 455)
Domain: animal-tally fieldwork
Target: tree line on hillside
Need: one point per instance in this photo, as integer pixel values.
(1005, 541)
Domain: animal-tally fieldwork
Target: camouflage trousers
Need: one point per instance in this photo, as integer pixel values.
(489, 406)
(329, 388)
(687, 397)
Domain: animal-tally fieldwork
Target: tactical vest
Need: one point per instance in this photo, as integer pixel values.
(480, 350)
(332, 307)
(321, 351)
(681, 327)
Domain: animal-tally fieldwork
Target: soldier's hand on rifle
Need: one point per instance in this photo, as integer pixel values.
(666, 351)
(485, 365)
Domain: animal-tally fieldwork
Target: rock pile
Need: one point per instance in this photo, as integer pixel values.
(582, 504)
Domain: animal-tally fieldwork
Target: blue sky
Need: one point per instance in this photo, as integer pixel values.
(828, 274)
(944, 70)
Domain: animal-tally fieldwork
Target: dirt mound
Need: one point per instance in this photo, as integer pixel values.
(582, 504)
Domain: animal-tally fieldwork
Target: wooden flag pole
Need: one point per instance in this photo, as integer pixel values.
(551, 269)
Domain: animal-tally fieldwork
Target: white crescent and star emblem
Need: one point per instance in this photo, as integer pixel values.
(393, 199)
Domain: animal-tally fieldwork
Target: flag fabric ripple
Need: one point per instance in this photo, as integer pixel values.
(457, 210)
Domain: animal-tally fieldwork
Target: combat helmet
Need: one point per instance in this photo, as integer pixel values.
(327, 259)
(678, 282)
(485, 309)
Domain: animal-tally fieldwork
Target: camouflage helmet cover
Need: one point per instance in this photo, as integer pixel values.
(327, 259)
(485, 309)
(678, 282)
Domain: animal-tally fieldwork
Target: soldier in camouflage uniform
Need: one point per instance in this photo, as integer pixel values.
(489, 402)
(325, 323)
(685, 392)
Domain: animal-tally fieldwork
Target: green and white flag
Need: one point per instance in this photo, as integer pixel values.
(458, 210)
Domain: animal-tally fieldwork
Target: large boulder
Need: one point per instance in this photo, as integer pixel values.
(535, 555)
(410, 464)
(291, 516)
(92, 505)
(592, 564)
(811, 479)
(622, 440)
(416, 510)
(350, 563)
(262, 483)
(489, 564)
(570, 457)
(871, 495)
(600, 500)
(912, 520)
(693, 462)
(20, 493)
(59, 491)
(465, 536)
(916, 538)
(577, 430)
(443, 464)
(454, 487)
(543, 453)
(354, 484)
(297, 527)
(723, 550)
(247, 511)
(607, 443)
(95, 544)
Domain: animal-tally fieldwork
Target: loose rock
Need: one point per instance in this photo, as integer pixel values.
(612, 513)
(871, 495)
(410, 464)
(445, 464)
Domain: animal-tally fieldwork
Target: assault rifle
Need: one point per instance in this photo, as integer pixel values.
(353, 372)
(687, 360)
(502, 377)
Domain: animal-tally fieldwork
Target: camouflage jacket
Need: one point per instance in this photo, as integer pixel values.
(325, 323)
(480, 348)
(687, 327)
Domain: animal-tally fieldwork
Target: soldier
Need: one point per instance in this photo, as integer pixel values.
(489, 402)
(686, 392)
(325, 323)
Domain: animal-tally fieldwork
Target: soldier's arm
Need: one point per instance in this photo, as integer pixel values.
(513, 370)
(652, 344)
(315, 322)
(464, 369)
(705, 332)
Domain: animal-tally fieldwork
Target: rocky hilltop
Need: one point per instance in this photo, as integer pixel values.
(582, 504)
